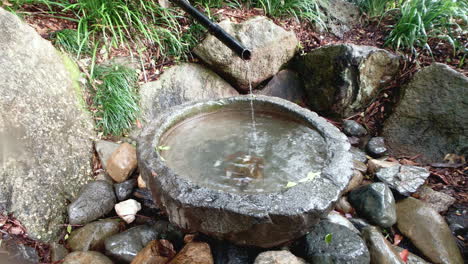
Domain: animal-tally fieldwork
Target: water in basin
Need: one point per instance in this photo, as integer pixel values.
(215, 150)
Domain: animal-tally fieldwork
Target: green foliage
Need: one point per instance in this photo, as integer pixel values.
(375, 8)
(70, 41)
(423, 19)
(115, 98)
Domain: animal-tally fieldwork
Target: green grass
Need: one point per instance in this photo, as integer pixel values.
(115, 98)
(70, 41)
(420, 20)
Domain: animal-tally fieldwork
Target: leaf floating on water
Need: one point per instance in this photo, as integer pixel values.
(310, 176)
(328, 238)
(291, 184)
(164, 147)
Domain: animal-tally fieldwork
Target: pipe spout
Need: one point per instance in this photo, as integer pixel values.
(215, 30)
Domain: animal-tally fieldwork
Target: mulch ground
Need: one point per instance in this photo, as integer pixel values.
(445, 177)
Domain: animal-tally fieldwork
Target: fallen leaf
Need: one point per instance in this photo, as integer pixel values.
(404, 255)
(328, 238)
(291, 184)
(310, 177)
(397, 239)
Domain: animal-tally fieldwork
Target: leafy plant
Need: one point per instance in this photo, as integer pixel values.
(375, 8)
(70, 41)
(115, 99)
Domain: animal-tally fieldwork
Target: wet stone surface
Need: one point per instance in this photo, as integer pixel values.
(124, 190)
(376, 147)
(353, 128)
(92, 236)
(403, 178)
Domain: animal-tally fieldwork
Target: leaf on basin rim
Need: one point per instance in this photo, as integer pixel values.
(291, 184)
(162, 147)
(310, 176)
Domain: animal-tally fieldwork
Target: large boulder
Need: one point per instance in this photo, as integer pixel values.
(341, 16)
(45, 133)
(179, 84)
(271, 47)
(431, 116)
(342, 79)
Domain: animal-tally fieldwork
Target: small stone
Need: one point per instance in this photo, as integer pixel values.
(376, 147)
(353, 128)
(428, 231)
(141, 182)
(374, 165)
(124, 190)
(104, 150)
(412, 258)
(123, 247)
(345, 246)
(380, 250)
(156, 252)
(103, 176)
(57, 252)
(355, 181)
(194, 253)
(169, 232)
(358, 154)
(278, 257)
(127, 210)
(122, 162)
(86, 257)
(344, 206)
(375, 203)
(95, 200)
(91, 237)
(337, 218)
(437, 200)
(403, 178)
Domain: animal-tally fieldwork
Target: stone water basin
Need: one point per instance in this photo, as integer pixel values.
(212, 172)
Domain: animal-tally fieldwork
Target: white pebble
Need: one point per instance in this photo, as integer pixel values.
(127, 210)
(141, 182)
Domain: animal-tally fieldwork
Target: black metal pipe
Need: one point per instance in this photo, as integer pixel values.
(215, 30)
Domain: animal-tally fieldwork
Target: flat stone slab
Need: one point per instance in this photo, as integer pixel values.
(258, 219)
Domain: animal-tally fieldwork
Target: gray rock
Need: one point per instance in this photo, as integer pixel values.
(125, 246)
(375, 203)
(345, 246)
(278, 257)
(103, 176)
(95, 200)
(355, 181)
(359, 166)
(380, 250)
(170, 232)
(358, 154)
(337, 218)
(57, 252)
(431, 116)
(105, 149)
(225, 252)
(271, 47)
(342, 79)
(341, 16)
(439, 201)
(179, 84)
(260, 219)
(428, 231)
(359, 223)
(45, 131)
(403, 178)
(124, 190)
(91, 236)
(86, 257)
(376, 147)
(412, 258)
(17, 253)
(353, 128)
(287, 85)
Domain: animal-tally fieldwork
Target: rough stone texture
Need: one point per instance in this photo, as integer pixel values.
(57, 252)
(15, 253)
(87, 257)
(342, 79)
(428, 231)
(103, 176)
(379, 248)
(337, 218)
(287, 85)
(431, 116)
(95, 200)
(105, 149)
(358, 154)
(376, 147)
(124, 190)
(374, 202)
(374, 165)
(225, 252)
(194, 253)
(412, 258)
(179, 84)
(341, 16)
(122, 162)
(345, 246)
(45, 146)
(278, 257)
(263, 219)
(403, 178)
(271, 47)
(359, 223)
(353, 128)
(355, 182)
(92, 236)
(344, 206)
(156, 252)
